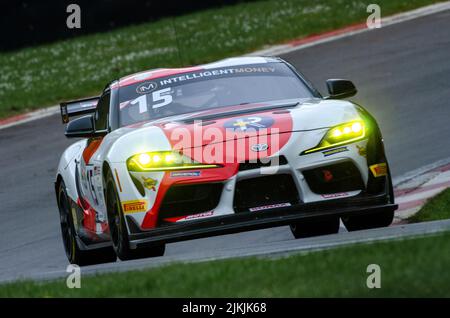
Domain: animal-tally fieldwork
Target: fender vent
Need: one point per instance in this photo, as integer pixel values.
(138, 185)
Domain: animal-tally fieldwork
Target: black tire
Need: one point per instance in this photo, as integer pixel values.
(372, 220)
(118, 228)
(73, 252)
(310, 228)
(369, 221)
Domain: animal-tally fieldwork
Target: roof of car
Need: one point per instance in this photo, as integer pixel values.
(161, 72)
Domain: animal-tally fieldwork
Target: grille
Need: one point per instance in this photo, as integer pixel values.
(265, 190)
(247, 165)
(182, 200)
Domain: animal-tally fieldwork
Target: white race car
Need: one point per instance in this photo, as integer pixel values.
(240, 144)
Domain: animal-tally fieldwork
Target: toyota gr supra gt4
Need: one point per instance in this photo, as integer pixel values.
(244, 143)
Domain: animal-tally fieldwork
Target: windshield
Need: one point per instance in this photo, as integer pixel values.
(209, 88)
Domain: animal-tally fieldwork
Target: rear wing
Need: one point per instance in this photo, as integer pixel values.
(78, 107)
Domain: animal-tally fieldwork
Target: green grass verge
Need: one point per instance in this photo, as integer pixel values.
(41, 76)
(409, 268)
(437, 208)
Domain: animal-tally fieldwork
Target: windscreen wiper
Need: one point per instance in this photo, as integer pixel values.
(239, 112)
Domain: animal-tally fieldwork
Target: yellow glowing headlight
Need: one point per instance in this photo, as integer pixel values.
(144, 159)
(164, 161)
(341, 135)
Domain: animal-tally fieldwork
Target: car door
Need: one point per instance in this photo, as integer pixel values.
(89, 168)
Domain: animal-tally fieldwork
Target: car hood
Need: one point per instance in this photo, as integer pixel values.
(263, 118)
(249, 121)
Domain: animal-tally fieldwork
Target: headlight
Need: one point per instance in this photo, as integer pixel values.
(162, 161)
(341, 135)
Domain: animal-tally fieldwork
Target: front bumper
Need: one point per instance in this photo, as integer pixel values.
(235, 206)
(246, 221)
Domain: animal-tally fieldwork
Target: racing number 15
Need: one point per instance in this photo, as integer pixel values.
(160, 98)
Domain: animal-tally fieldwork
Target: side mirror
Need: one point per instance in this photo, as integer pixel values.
(81, 127)
(339, 88)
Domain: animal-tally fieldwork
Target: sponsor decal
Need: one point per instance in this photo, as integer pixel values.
(185, 174)
(146, 87)
(361, 150)
(199, 215)
(267, 207)
(150, 183)
(190, 217)
(259, 147)
(134, 206)
(335, 195)
(379, 170)
(222, 72)
(334, 151)
(252, 123)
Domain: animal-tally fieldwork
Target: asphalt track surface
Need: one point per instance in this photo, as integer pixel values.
(402, 72)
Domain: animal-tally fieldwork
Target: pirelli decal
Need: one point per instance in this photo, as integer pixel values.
(379, 170)
(134, 206)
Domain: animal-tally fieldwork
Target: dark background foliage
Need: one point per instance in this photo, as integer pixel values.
(32, 22)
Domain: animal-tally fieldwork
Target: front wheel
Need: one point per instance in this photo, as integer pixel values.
(74, 254)
(118, 228)
(309, 228)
